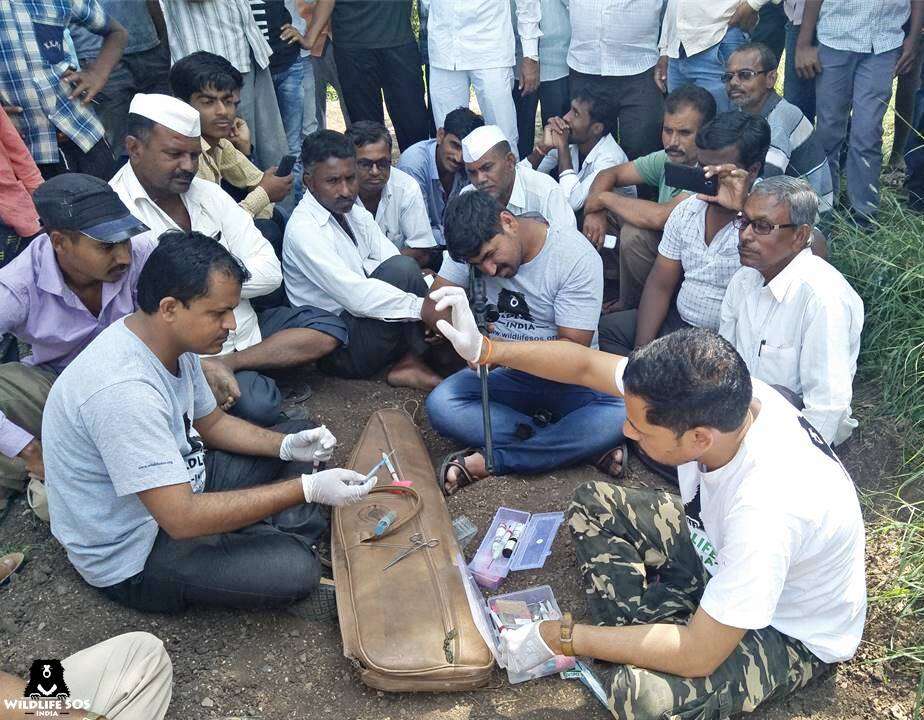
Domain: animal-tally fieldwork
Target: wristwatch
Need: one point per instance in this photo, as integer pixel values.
(564, 635)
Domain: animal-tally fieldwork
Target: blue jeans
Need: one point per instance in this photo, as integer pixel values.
(291, 99)
(589, 423)
(799, 92)
(705, 68)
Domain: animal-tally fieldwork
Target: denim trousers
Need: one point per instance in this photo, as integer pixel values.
(291, 98)
(585, 423)
(862, 83)
(799, 92)
(706, 68)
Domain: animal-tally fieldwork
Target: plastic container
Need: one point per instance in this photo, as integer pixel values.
(464, 530)
(536, 533)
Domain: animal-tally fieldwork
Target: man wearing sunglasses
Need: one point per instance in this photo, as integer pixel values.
(795, 150)
(793, 318)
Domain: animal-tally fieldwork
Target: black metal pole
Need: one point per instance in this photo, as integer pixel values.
(479, 302)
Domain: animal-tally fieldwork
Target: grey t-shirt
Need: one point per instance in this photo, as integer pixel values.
(133, 15)
(117, 422)
(561, 287)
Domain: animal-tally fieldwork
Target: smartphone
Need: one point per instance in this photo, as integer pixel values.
(689, 178)
(285, 166)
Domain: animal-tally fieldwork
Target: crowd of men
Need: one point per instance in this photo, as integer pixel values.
(177, 226)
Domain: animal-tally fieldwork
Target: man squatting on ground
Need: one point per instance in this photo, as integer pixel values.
(745, 588)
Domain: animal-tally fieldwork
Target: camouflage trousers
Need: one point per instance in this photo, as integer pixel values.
(639, 566)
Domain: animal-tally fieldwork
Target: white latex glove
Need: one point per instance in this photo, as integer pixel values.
(308, 445)
(523, 648)
(336, 487)
(463, 333)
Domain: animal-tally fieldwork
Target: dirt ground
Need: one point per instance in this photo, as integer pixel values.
(270, 665)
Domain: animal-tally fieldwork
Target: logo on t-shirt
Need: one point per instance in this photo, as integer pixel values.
(701, 542)
(513, 304)
(195, 458)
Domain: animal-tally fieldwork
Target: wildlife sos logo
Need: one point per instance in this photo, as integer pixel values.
(513, 304)
(46, 693)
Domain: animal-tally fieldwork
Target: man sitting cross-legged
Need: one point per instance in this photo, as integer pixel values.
(547, 283)
(391, 195)
(159, 186)
(742, 590)
(160, 498)
(335, 257)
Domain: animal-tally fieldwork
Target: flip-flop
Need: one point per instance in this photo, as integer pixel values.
(9, 564)
(665, 472)
(605, 461)
(455, 460)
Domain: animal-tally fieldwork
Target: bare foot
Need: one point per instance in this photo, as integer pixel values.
(410, 371)
(474, 463)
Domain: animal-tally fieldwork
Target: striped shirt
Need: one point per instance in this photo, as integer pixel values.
(614, 37)
(223, 27)
(32, 61)
(863, 26)
(795, 150)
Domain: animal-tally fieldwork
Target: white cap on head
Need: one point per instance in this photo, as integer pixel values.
(168, 111)
(480, 140)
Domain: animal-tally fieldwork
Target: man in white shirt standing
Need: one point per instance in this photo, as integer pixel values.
(793, 317)
(391, 195)
(614, 45)
(580, 145)
(492, 167)
(336, 257)
(471, 45)
(159, 187)
(742, 590)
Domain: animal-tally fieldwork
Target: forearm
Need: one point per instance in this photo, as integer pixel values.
(809, 23)
(917, 19)
(652, 310)
(213, 513)
(322, 12)
(641, 213)
(111, 51)
(221, 431)
(562, 361)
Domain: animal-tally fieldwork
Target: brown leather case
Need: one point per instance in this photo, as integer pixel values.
(408, 628)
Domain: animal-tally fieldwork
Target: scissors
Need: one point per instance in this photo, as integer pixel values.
(417, 543)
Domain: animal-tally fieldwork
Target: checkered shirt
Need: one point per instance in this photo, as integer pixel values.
(29, 81)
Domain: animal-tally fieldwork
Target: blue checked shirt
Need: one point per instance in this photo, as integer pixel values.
(32, 60)
(863, 26)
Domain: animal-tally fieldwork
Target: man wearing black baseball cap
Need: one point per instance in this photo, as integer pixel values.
(66, 287)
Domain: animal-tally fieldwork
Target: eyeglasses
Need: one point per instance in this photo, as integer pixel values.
(369, 164)
(761, 227)
(742, 75)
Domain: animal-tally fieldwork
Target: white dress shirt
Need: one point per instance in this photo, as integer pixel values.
(325, 269)
(478, 34)
(697, 24)
(614, 37)
(534, 192)
(802, 331)
(402, 214)
(576, 184)
(212, 211)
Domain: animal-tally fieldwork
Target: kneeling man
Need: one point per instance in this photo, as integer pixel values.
(547, 283)
(160, 498)
(743, 589)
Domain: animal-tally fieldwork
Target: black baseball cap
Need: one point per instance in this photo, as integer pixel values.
(73, 201)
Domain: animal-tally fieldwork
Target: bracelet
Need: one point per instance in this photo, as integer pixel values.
(487, 356)
(564, 635)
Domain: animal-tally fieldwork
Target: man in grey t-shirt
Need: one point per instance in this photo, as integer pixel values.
(547, 284)
(145, 512)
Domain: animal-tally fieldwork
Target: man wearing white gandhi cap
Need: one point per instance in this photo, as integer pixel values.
(159, 186)
(492, 167)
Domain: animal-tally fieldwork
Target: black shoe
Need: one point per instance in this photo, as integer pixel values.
(320, 606)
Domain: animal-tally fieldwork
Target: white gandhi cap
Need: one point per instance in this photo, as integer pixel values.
(168, 111)
(479, 141)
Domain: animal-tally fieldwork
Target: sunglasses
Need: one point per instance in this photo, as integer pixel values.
(742, 75)
(761, 227)
(369, 164)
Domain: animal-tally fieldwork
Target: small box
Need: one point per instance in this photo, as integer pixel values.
(464, 530)
(532, 547)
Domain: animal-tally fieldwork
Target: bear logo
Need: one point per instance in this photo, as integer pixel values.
(46, 680)
(513, 303)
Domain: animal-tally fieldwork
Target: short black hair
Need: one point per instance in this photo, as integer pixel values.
(690, 378)
(461, 121)
(602, 104)
(196, 72)
(368, 132)
(324, 144)
(139, 126)
(471, 219)
(768, 59)
(749, 133)
(180, 267)
(692, 96)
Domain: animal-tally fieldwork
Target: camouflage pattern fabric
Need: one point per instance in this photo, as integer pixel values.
(639, 566)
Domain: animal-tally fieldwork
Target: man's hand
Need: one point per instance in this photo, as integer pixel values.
(222, 382)
(523, 648)
(312, 445)
(807, 63)
(529, 76)
(660, 73)
(85, 83)
(733, 186)
(463, 332)
(546, 141)
(430, 315)
(908, 56)
(290, 35)
(277, 188)
(12, 109)
(31, 454)
(240, 135)
(595, 226)
(745, 17)
(336, 487)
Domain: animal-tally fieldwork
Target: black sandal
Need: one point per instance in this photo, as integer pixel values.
(605, 462)
(456, 460)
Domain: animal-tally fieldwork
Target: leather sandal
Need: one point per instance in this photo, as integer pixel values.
(605, 462)
(456, 460)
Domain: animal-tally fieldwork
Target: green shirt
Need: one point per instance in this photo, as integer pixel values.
(651, 168)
